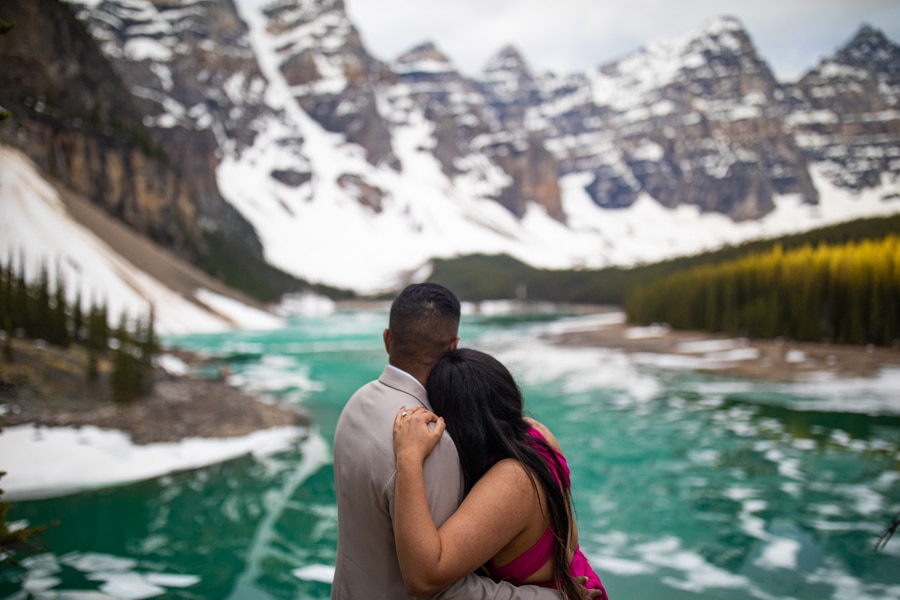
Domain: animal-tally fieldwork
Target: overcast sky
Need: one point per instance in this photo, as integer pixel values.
(570, 35)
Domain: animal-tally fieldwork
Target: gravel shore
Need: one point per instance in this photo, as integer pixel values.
(47, 386)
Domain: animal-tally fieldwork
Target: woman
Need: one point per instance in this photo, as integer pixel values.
(516, 519)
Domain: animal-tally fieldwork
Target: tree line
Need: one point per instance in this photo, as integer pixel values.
(479, 277)
(38, 310)
(846, 293)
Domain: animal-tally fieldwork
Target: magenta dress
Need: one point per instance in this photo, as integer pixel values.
(537, 556)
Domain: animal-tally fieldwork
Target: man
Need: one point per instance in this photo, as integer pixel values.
(423, 325)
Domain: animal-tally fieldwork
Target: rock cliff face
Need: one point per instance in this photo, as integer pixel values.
(113, 134)
(467, 124)
(197, 85)
(330, 73)
(74, 118)
(691, 121)
(697, 120)
(449, 101)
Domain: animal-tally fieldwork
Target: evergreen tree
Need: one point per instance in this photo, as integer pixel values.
(77, 331)
(5, 26)
(21, 305)
(95, 340)
(846, 294)
(126, 379)
(4, 306)
(7, 290)
(59, 319)
(149, 347)
(14, 542)
(7, 338)
(103, 328)
(41, 323)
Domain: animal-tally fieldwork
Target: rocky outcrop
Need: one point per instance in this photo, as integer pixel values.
(330, 73)
(73, 116)
(534, 175)
(449, 100)
(469, 120)
(195, 80)
(510, 87)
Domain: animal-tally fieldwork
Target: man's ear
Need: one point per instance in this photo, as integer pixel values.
(454, 343)
(386, 336)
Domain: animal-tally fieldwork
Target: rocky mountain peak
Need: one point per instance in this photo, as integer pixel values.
(870, 49)
(722, 55)
(507, 81)
(285, 15)
(726, 31)
(425, 59)
(845, 111)
(508, 59)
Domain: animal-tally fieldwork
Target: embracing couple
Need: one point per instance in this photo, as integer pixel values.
(484, 512)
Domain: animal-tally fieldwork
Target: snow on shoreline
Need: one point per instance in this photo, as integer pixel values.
(46, 462)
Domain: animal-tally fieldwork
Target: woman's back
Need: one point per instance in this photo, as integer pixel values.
(528, 558)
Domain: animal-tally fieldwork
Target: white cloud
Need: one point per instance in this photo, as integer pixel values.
(568, 35)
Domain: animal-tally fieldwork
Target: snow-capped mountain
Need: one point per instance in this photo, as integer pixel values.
(846, 112)
(690, 121)
(355, 173)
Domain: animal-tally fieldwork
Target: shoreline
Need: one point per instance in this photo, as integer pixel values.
(47, 386)
(61, 435)
(771, 359)
(69, 436)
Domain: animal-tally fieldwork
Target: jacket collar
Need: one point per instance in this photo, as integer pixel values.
(402, 381)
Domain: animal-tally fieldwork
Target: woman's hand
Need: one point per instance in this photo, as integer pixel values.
(414, 435)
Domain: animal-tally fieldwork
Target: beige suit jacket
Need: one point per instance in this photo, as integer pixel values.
(364, 470)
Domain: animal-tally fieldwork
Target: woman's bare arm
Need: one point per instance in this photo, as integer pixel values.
(493, 513)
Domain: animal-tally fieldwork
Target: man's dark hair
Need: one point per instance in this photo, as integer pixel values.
(424, 321)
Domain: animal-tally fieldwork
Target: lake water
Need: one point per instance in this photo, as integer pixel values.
(687, 485)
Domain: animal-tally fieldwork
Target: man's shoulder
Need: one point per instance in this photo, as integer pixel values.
(365, 408)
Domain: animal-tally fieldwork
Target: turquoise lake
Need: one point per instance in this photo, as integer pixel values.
(687, 484)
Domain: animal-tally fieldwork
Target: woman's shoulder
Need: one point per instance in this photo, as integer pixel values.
(545, 431)
(510, 479)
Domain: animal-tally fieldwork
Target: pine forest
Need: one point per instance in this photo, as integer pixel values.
(848, 293)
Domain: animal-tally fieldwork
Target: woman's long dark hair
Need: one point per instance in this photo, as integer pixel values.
(483, 408)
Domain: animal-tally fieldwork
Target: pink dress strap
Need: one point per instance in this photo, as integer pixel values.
(526, 563)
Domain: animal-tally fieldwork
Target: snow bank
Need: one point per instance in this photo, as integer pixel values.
(56, 461)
